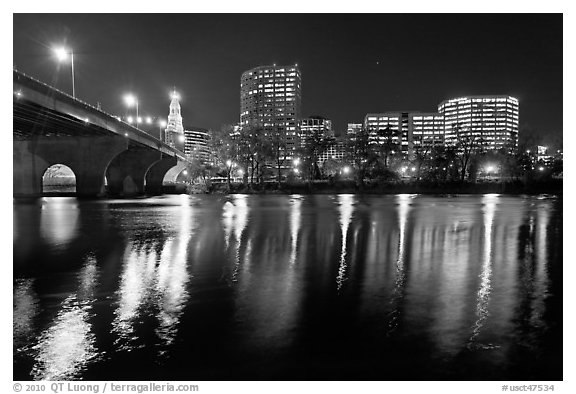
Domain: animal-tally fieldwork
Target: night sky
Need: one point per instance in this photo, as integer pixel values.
(351, 64)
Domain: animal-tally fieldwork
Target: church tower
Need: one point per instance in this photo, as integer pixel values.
(174, 129)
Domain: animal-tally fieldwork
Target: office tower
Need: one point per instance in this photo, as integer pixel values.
(270, 98)
(426, 130)
(197, 144)
(315, 124)
(490, 121)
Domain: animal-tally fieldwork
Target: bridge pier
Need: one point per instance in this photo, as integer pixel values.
(156, 173)
(127, 171)
(87, 157)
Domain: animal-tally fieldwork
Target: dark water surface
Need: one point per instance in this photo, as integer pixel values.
(319, 287)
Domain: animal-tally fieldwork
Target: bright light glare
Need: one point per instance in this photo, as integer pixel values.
(130, 100)
(228, 163)
(296, 161)
(139, 120)
(413, 168)
(181, 138)
(346, 170)
(130, 120)
(541, 168)
(489, 168)
(185, 172)
(162, 123)
(148, 120)
(61, 53)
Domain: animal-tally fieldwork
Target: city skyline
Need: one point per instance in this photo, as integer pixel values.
(351, 64)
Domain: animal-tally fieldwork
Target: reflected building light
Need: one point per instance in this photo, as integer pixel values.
(25, 310)
(346, 208)
(295, 213)
(136, 282)
(403, 201)
(173, 277)
(483, 295)
(540, 287)
(68, 345)
(59, 220)
(235, 220)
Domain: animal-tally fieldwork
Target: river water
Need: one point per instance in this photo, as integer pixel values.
(289, 287)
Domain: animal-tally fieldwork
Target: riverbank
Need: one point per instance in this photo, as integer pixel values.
(552, 186)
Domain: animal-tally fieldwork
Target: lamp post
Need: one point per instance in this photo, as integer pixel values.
(131, 100)
(161, 125)
(62, 54)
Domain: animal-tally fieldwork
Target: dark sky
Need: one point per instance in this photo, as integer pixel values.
(351, 64)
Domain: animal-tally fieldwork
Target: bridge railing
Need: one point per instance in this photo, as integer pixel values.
(19, 74)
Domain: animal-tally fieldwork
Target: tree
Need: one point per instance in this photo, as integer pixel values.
(315, 144)
(468, 146)
(223, 146)
(385, 144)
(359, 152)
(276, 149)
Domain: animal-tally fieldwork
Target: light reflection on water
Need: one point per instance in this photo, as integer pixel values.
(67, 346)
(285, 278)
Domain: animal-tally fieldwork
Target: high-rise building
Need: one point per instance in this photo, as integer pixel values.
(491, 121)
(197, 144)
(174, 130)
(315, 124)
(426, 130)
(395, 123)
(270, 98)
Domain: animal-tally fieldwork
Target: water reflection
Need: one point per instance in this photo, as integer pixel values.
(251, 284)
(173, 278)
(59, 220)
(155, 278)
(67, 346)
(234, 220)
(483, 295)
(26, 307)
(345, 208)
(295, 220)
(403, 201)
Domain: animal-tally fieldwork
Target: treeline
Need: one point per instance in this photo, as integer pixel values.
(257, 156)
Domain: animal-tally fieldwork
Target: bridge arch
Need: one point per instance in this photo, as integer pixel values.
(172, 173)
(59, 178)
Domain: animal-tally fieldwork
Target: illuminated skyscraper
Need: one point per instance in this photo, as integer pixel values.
(174, 130)
(491, 121)
(270, 98)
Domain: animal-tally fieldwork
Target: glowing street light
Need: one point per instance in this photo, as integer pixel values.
(346, 170)
(132, 100)
(62, 55)
(161, 125)
(541, 168)
(228, 163)
(148, 120)
(489, 169)
(296, 161)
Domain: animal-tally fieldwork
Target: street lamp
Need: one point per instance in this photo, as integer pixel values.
(161, 125)
(62, 55)
(131, 100)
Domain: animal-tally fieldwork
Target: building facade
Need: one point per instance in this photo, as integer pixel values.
(197, 144)
(270, 98)
(425, 130)
(489, 121)
(315, 124)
